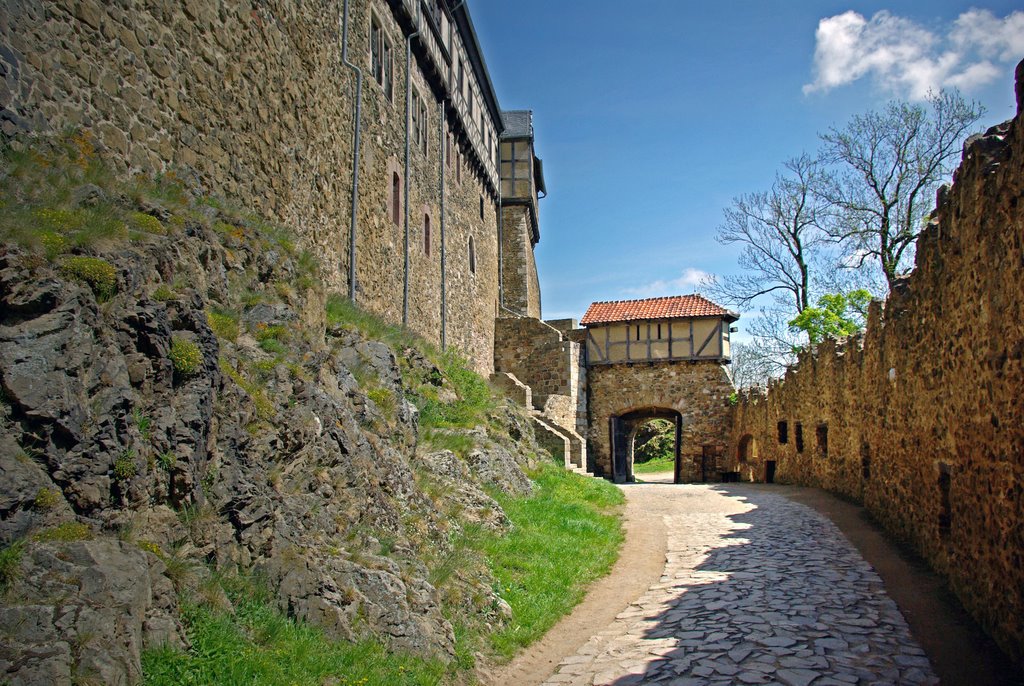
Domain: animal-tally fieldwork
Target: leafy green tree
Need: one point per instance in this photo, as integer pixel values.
(836, 315)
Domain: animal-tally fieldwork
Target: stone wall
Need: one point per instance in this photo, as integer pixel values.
(699, 391)
(921, 419)
(519, 269)
(251, 101)
(539, 356)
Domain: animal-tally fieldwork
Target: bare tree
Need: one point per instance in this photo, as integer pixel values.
(888, 165)
(779, 232)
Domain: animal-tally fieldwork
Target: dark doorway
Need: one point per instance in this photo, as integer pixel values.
(769, 471)
(623, 428)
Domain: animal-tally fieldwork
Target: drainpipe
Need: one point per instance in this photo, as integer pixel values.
(408, 122)
(443, 157)
(355, 156)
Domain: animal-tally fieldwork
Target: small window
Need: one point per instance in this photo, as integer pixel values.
(783, 428)
(426, 235)
(945, 504)
(418, 123)
(396, 199)
(458, 165)
(638, 332)
(865, 461)
(472, 256)
(381, 64)
(481, 207)
(822, 436)
(798, 436)
(659, 332)
(448, 150)
(462, 77)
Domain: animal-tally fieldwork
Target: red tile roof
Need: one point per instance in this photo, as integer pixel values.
(654, 308)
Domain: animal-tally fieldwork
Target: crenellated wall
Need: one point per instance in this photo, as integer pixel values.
(922, 418)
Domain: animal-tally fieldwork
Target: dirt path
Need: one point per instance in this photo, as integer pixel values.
(959, 652)
(640, 564)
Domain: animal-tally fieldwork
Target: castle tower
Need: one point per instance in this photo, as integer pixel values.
(522, 183)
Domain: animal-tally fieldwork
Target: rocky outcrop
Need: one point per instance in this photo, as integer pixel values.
(280, 447)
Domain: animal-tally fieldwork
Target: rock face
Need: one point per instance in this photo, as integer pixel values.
(85, 610)
(921, 418)
(285, 451)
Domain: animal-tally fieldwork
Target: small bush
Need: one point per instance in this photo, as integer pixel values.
(224, 324)
(68, 531)
(146, 222)
(99, 274)
(163, 293)
(125, 467)
(46, 499)
(186, 357)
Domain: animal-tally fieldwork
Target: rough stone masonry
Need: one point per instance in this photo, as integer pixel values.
(921, 418)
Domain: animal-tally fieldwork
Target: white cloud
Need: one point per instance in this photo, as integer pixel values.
(906, 58)
(687, 281)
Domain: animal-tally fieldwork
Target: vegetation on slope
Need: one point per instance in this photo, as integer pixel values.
(75, 216)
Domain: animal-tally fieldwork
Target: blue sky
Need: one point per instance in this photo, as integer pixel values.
(652, 115)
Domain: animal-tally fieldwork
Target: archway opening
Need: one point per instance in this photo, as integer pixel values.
(624, 431)
(654, 448)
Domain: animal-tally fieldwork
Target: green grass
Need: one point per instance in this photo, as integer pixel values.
(659, 464)
(257, 644)
(564, 536)
(475, 398)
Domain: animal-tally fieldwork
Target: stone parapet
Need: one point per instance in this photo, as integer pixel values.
(921, 418)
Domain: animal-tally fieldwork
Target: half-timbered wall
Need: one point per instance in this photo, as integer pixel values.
(666, 339)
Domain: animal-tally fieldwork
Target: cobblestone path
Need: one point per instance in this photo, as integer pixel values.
(756, 590)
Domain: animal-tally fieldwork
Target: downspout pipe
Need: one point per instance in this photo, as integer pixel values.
(444, 159)
(408, 125)
(355, 155)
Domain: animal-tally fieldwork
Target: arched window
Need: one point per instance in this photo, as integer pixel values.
(472, 256)
(426, 235)
(396, 199)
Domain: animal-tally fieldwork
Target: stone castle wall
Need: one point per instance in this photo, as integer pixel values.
(251, 101)
(921, 419)
(699, 391)
(541, 357)
(519, 272)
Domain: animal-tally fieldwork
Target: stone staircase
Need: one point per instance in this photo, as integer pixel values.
(564, 444)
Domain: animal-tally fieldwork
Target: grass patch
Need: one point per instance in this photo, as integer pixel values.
(264, 407)
(564, 536)
(10, 561)
(68, 531)
(658, 464)
(458, 443)
(223, 323)
(256, 644)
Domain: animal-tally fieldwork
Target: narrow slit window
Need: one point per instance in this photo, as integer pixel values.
(396, 199)
(783, 429)
(798, 437)
(426, 235)
(822, 436)
(472, 256)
